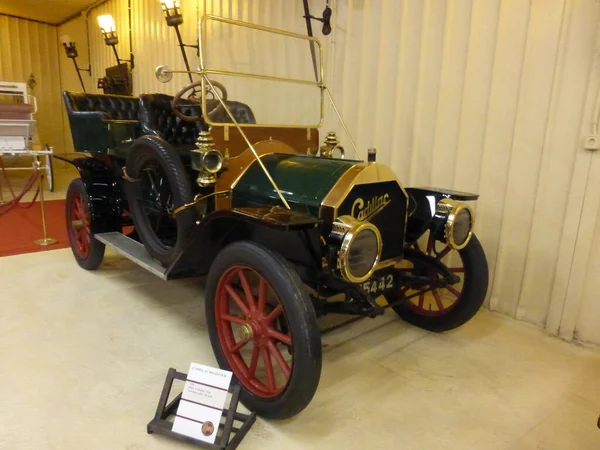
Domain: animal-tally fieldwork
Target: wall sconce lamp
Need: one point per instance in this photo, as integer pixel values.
(174, 19)
(109, 31)
(71, 50)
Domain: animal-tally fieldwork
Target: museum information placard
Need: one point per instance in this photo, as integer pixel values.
(202, 402)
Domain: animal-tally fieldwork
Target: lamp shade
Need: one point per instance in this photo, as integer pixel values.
(65, 39)
(106, 23)
(169, 4)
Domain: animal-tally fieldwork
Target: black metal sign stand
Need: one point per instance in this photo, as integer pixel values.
(161, 425)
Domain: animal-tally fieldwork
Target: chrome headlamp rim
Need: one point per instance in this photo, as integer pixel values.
(356, 227)
(454, 208)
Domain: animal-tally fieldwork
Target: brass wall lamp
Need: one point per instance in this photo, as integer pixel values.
(174, 18)
(109, 31)
(71, 50)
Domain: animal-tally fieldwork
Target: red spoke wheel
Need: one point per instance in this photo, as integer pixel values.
(87, 251)
(450, 306)
(263, 328)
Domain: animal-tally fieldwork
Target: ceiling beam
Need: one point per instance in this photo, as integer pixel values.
(26, 18)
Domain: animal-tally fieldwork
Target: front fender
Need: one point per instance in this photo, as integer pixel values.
(105, 197)
(422, 206)
(292, 234)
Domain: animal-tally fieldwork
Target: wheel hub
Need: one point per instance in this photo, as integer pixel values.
(257, 329)
(247, 332)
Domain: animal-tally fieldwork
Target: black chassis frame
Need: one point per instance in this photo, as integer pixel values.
(294, 235)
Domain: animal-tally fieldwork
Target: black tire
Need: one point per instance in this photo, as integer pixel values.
(87, 256)
(153, 151)
(471, 298)
(301, 323)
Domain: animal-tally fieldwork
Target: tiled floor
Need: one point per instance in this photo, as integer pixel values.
(84, 356)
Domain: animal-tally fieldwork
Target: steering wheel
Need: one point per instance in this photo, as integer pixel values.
(192, 87)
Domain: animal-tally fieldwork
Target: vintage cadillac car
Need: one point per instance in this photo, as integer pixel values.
(285, 231)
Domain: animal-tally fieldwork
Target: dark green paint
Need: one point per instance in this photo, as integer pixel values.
(303, 180)
(93, 135)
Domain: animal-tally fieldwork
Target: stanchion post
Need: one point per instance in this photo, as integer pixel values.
(45, 240)
(3, 174)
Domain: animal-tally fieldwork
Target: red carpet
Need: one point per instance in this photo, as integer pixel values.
(20, 227)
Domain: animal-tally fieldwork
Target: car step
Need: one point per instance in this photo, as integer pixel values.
(132, 250)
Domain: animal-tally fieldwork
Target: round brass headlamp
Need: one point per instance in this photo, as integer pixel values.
(459, 223)
(360, 249)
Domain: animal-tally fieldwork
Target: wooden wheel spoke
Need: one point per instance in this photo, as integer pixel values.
(421, 300)
(430, 245)
(457, 269)
(285, 367)
(236, 298)
(262, 294)
(444, 252)
(285, 338)
(438, 299)
(233, 319)
(254, 361)
(238, 346)
(268, 368)
(455, 291)
(247, 290)
(275, 313)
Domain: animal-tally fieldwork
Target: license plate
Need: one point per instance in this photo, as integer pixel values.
(378, 284)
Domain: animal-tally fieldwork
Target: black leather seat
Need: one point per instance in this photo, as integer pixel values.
(241, 112)
(157, 118)
(103, 123)
(100, 122)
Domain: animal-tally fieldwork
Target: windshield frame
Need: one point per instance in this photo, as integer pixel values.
(210, 70)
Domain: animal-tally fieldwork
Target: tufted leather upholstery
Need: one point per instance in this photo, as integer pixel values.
(95, 127)
(100, 123)
(113, 107)
(157, 118)
(241, 112)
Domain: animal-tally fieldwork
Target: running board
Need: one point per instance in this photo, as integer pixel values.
(132, 250)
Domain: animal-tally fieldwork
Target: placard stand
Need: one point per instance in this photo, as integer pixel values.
(161, 425)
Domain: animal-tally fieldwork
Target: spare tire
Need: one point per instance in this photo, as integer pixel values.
(159, 184)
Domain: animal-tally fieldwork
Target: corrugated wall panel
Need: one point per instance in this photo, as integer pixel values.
(26, 48)
(483, 96)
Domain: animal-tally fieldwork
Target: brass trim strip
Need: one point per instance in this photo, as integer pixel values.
(198, 199)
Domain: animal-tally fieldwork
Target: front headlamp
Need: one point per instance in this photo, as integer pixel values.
(360, 248)
(459, 222)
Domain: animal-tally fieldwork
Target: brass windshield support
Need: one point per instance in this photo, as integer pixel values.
(218, 97)
(341, 121)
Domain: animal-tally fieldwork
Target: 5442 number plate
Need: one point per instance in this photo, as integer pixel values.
(379, 283)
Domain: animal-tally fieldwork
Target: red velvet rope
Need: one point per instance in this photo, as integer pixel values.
(16, 199)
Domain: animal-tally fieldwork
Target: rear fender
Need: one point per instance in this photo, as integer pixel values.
(422, 207)
(292, 234)
(105, 197)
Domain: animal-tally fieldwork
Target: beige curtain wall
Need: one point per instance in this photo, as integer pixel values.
(492, 96)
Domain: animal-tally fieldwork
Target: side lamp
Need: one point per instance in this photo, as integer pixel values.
(109, 32)
(172, 12)
(174, 18)
(71, 51)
